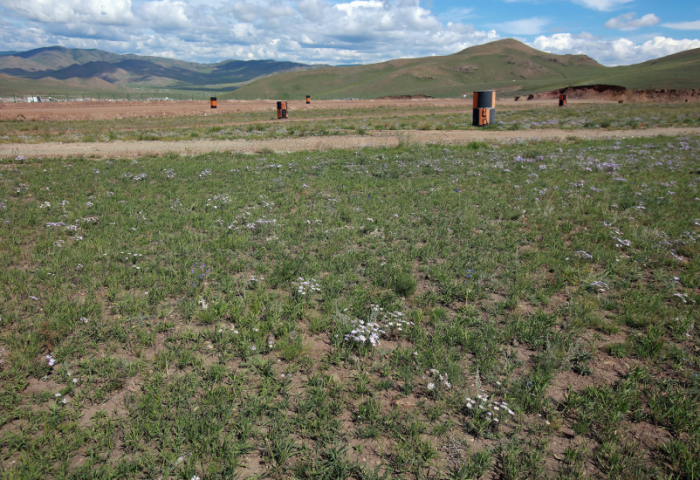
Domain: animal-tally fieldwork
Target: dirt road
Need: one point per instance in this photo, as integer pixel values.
(375, 139)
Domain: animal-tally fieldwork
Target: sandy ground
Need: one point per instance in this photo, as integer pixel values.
(123, 109)
(375, 139)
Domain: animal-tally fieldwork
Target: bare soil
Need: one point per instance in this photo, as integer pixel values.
(123, 109)
(372, 139)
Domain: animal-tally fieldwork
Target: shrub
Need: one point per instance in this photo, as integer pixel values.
(404, 284)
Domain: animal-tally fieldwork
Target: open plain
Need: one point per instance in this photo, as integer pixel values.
(367, 290)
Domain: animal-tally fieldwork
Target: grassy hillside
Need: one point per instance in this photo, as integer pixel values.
(507, 65)
(681, 70)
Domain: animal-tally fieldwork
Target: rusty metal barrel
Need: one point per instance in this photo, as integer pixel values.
(213, 102)
(281, 110)
(484, 108)
(562, 99)
(308, 99)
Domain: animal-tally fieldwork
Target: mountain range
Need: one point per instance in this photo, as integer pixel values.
(507, 65)
(101, 69)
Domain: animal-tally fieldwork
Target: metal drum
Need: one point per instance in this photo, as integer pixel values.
(281, 110)
(484, 108)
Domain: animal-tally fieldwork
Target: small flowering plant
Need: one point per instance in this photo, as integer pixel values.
(365, 335)
(486, 415)
(305, 289)
(197, 273)
(437, 382)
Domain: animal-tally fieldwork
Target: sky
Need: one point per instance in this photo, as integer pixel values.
(613, 32)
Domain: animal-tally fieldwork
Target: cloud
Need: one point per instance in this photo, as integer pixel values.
(627, 21)
(105, 12)
(457, 14)
(684, 25)
(602, 5)
(526, 26)
(311, 31)
(165, 15)
(612, 52)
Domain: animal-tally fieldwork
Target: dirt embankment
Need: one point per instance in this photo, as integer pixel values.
(616, 93)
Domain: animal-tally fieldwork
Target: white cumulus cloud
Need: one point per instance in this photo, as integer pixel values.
(602, 5)
(628, 21)
(310, 31)
(610, 52)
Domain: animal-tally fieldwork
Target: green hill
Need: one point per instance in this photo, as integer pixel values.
(506, 65)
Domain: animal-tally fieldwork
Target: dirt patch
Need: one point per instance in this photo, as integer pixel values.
(154, 109)
(114, 405)
(39, 386)
(607, 370)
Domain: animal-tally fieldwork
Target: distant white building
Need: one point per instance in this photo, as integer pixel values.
(33, 99)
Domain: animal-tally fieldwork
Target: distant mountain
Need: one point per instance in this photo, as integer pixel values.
(506, 65)
(136, 71)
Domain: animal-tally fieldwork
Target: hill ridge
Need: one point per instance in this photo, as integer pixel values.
(506, 65)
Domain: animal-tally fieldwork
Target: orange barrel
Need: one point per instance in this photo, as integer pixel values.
(308, 99)
(562, 100)
(213, 102)
(484, 108)
(281, 110)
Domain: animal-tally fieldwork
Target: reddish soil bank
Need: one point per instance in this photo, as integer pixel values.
(612, 93)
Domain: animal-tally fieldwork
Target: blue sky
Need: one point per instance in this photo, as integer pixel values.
(614, 32)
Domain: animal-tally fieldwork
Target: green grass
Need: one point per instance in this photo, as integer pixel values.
(204, 314)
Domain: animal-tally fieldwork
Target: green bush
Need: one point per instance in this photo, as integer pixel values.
(404, 284)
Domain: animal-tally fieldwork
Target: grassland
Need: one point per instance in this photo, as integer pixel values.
(347, 314)
(262, 125)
